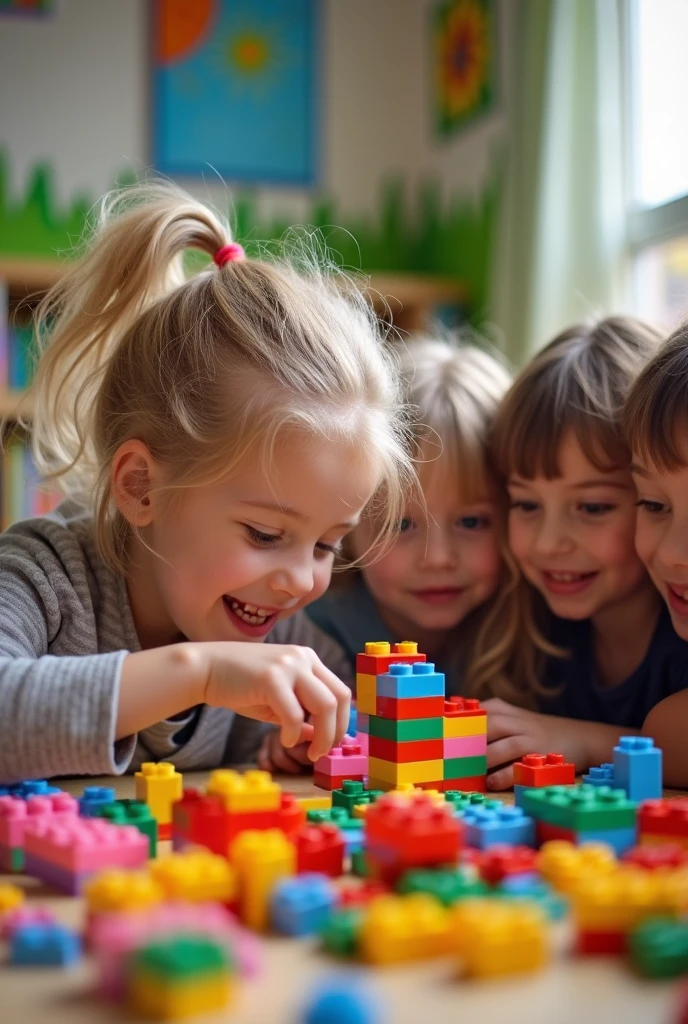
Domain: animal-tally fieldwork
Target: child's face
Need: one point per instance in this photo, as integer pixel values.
(238, 555)
(573, 537)
(444, 564)
(662, 534)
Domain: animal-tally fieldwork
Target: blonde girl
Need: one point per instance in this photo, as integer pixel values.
(218, 437)
(586, 648)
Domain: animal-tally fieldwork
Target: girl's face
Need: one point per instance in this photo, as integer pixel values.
(573, 537)
(235, 556)
(444, 564)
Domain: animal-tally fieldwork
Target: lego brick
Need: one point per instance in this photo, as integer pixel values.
(463, 707)
(464, 767)
(366, 693)
(502, 861)
(409, 750)
(416, 832)
(418, 771)
(544, 770)
(22, 916)
(320, 849)
(495, 824)
(245, 793)
(180, 976)
(405, 730)
(379, 656)
(201, 819)
(44, 944)
(28, 788)
(472, 784)
(55, 877)
(345, 761)
(12, 859)
(318, 803)
(340, 935)
(260, 859)
(363, 723)
(18, 814)
(399, 929)
(196, 876)
(566, 866)
(596, 942)
(94, 798)
(464, 746)
(351, 794)
(352, 727)
(653, 858)
(446, 886)
(87, 844)
(11, 897)
(620, 839)
(363, 741)
(667, 818)
(623, 899)
(460, 725)
(581, 808)
(338, 816)
(532, 889)
(659, 948)
(115, 891)
(302, 905)
(341, 1001)
(496, 937)
(159, 785)
(333, 782)
(132, 812)
(354, 894)
(518, 794)
(407, 708)
(602, 775)
(460, 800)
(638, 768)
(403, 681)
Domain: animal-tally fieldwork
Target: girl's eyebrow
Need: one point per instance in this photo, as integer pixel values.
(293, 513)
(635, 468)
(600, 482)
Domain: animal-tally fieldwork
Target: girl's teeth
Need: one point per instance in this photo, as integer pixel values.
(245, 613)
(566, 577)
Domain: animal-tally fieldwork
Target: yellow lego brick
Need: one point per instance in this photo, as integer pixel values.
(260, 858)
(622, 900)
(473, 725)
(159, 785)
(411, 771)
(11, 896)
(252, 791)
(403, 928)
(407, 789)
(566, 866)
(407, 647)
(197, 876)
(493, 937)
(378, 649)
(157, 1000)
(119, 891)
(315, 803)
(359, 810)
(366, 693)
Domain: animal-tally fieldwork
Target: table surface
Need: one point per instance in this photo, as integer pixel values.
(569, 991)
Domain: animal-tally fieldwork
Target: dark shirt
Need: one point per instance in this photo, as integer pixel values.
(663, 671)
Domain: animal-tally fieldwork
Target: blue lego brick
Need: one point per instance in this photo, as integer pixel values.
(44, 945)
(603, 775)
(532, 887)
(518, 795)
(93, 799)
(620, 839)
(302, 905)
(352, 728)
(419, 680)
(30, 787)
(638, 768)
(496, 824)
(343, 999)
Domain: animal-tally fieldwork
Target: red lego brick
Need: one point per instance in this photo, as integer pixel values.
(402, 709)
(499, 862)
(463, 707)
(360, 895)
(474, 784)
(544, 832)
(650, 858)
(595, 943)
(332, 782)
(201, 820)
(320, 848)
(375, 665)
(401, 833)
(664, 817)
(544, 770)
(291, 816)
(403, 753)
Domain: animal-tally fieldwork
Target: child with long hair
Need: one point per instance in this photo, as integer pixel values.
(586, 649)
(218, 436)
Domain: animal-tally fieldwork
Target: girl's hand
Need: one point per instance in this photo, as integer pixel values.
(278, 683)
(273, 757)
(513, 732)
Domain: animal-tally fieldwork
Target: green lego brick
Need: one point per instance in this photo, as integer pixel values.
(659, 947)
(403, 732)
(338, 816)
(182, 957)
(580, 808)
(359, 864)
(340, 934)
(447, 886)
(460, 800)
(353, 793)
(133, 812)
(464, 767)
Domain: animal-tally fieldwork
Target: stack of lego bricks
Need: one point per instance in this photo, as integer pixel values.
(582, 814)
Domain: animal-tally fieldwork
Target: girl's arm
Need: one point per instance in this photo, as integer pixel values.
(667, 724)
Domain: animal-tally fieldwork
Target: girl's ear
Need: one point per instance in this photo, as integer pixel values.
(134, 477)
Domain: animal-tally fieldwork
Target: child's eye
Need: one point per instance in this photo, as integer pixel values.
(474, 522)
(655, 508)
(406, 524)
(263, 540)
(523, 506)
(596, 508)
(330, 549)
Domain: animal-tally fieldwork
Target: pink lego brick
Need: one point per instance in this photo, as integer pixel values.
(344, 761)
(25, 915)
(465, 746)
(83, 845)
(17, 814)
(118, 935)
(362, 740)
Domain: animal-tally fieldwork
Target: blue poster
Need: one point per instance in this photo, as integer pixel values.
(234, 89)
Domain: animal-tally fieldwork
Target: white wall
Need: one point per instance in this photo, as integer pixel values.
(73, 91)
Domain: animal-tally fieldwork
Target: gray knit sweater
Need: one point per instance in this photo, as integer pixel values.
(65, 628)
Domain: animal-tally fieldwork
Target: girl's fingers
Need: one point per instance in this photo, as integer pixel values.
(321, 704)
(283, 760)
(500, 726)
(504, 751)
(299, 754)
(503, 778)
(289, 712)
(342, 695)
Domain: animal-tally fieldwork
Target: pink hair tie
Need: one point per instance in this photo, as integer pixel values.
(229, 253)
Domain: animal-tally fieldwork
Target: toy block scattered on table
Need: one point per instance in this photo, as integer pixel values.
(502, 861)
(30, 787)
(115, 893)
(260, 859)
(11, 897)
(196, 876)
(132, 812)
(25, 915)
(302, 905)
(250, 792)
(638, 768)
(567, 866)
(180, 976)
(18, 814)
(400, 929)
(495, 937)
(347, 761)
(159, 785)
(44, 944)
(602, 775)
(537, 770)
(447, 886)
(661, 821)
(654, 858)
(94, 799)
(659, 948)
(495, 824)
(320, 849)
(402, 833)
(582, 814)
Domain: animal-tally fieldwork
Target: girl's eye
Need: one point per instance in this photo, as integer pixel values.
(474, 522)
(523, 506)
(405, 524)
(263, 540)
(596, 508)
(330, 549)
(653, 507)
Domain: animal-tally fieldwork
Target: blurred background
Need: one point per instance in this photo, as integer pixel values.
(513, 164)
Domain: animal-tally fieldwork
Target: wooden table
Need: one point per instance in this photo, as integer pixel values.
(570, 991)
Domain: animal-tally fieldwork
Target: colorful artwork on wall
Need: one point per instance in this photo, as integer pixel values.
(464, 62)
(234, 89)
